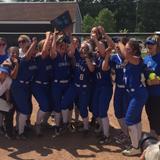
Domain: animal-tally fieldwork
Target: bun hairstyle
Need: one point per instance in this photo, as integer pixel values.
(134, 44)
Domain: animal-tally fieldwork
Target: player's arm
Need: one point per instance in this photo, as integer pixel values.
(14, 72)
(130, 58)
(105, 63)
(31, 49)
(53, 51)
(45, 49)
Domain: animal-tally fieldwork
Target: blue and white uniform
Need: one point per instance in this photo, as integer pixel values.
(20, 88)
(102, 91)
(152, 64)
(79, 90)
(41, 85)
(137, 93)
(61, 79)
(120, 95)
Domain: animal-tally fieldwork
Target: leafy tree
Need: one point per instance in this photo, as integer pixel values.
(106, 19)
(148, 16)
(88, 22)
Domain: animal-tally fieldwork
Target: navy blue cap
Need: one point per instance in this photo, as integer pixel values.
(115, 39)
(151, 41)
(4, 69)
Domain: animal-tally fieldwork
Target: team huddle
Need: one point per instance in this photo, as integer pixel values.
(63, 73)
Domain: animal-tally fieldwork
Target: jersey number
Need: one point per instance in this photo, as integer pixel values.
(81, 77)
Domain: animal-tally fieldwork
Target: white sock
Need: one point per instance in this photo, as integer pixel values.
(57, 118)
(123, 126)
(1, 119)
(85, 123)
(105, 126)
(139, 128)
(133, 132)
(40, 116)
(65, 115)
(22, 122)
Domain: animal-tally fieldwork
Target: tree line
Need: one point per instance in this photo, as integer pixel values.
(118, 15)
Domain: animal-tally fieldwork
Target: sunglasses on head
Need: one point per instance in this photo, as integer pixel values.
(22, 41)
(2, 44)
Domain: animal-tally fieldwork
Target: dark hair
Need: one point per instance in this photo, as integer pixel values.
(134, 44)
(124, 40)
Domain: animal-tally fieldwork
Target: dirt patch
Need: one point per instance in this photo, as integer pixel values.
(72, 146)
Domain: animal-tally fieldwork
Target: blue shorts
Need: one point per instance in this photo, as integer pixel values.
(58, 91)
(42, 95)
(80, 95)
(137, 100)
(120, 102)
(22, 96)
(101, 99)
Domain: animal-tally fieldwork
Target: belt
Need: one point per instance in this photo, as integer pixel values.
(61, 81)
(120, 86)
(40, 82)
(24, 82)
(133, 89)
(83, 86)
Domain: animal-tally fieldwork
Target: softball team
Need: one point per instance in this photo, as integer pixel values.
(61, 73)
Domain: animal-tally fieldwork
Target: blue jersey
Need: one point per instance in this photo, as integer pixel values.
(101, 78)
(3, 58)
(62, 67)
(117, 63)
(132, 75)
(44, 69)
(26, 69)
(152, 65)
(81, 72)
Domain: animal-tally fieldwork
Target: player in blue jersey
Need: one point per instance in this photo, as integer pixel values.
(61, 77)
(152, 72)
(79, 90)
(117, 63)
(102, 82)
(3, 53)
(41, 82)
(21, 87)
(137, 93)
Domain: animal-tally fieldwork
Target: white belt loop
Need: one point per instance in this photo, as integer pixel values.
(39, 82)
(24, 82)
(61, 81)
(83, 86)
(120, 86)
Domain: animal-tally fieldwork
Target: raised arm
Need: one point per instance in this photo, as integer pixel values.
(31, 49)
(127, 54)
(46, 46)
(100, 46)
(14, 72)
(110, 43)
(105, 64)
(53, 52)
